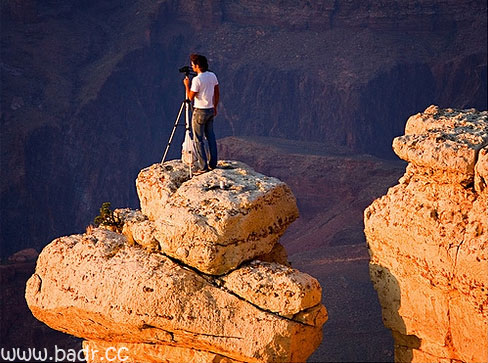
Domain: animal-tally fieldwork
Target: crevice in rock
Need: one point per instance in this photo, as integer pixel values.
(39, 287)
(148, 326)
(217, 282)
(469, 185)
(184, 265)
(172, 333)
(96, 322)
(458, 247)
(222, 287)
(211, 335)
(448, 338)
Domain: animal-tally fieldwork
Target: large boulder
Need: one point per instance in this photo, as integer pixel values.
(117, 294)
(428, 239)
(196, 276)
(215, 221)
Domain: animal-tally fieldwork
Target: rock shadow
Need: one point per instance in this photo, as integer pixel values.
(389, 296)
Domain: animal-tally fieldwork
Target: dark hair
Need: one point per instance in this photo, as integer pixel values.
(200, 61)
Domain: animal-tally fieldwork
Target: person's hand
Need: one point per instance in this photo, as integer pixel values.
(215, 111)
(186, 81)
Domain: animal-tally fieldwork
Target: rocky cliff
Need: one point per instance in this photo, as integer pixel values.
(428, 239)
(88, 86)
(196, 276)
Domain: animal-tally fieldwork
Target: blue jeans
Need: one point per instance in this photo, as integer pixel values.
(202, 124)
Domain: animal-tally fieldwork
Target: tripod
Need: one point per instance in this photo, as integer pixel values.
(184, 104)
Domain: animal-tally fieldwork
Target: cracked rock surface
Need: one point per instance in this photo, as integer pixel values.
(217, 220)
(275, 287)
(428, 239)
(120, 290)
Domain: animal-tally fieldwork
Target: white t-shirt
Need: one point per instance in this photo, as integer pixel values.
(204, 84)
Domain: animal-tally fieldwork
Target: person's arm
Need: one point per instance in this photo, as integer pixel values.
(216, 98)
(189, 93)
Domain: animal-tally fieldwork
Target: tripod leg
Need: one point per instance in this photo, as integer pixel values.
(188, 127)
(173, 132)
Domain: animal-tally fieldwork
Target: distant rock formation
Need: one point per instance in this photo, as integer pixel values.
(428, 239)
(197, 276)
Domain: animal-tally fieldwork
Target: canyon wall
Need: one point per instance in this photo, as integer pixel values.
(428, 240)
(90, 86)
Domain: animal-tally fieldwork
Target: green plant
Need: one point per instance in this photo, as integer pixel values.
(106, 218)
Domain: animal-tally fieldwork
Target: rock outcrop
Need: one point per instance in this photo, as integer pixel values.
(218, 220)
(138, 292)
(428, 239)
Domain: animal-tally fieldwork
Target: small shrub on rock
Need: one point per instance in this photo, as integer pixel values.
(107, 219)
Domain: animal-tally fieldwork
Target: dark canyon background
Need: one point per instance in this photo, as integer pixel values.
(312, 92)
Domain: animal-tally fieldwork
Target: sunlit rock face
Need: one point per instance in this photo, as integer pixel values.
(217, 220)
(428, 239)
(130, 293)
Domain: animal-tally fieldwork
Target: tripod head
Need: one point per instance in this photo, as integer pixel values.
(188, 71)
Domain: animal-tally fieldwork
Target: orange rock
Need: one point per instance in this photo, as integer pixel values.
(274, 287)
(211, 228)
(428, 240)
(102, 352)
(101, 288)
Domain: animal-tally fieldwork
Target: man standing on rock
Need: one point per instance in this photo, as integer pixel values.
(205, 93)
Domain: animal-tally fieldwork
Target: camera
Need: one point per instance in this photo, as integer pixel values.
(187, 70)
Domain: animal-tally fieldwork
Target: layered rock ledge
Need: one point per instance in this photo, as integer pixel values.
(428, 239)
(217, 220)
(135, 290)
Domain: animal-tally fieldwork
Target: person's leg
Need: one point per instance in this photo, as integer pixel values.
(198, 126)
(212, 143)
